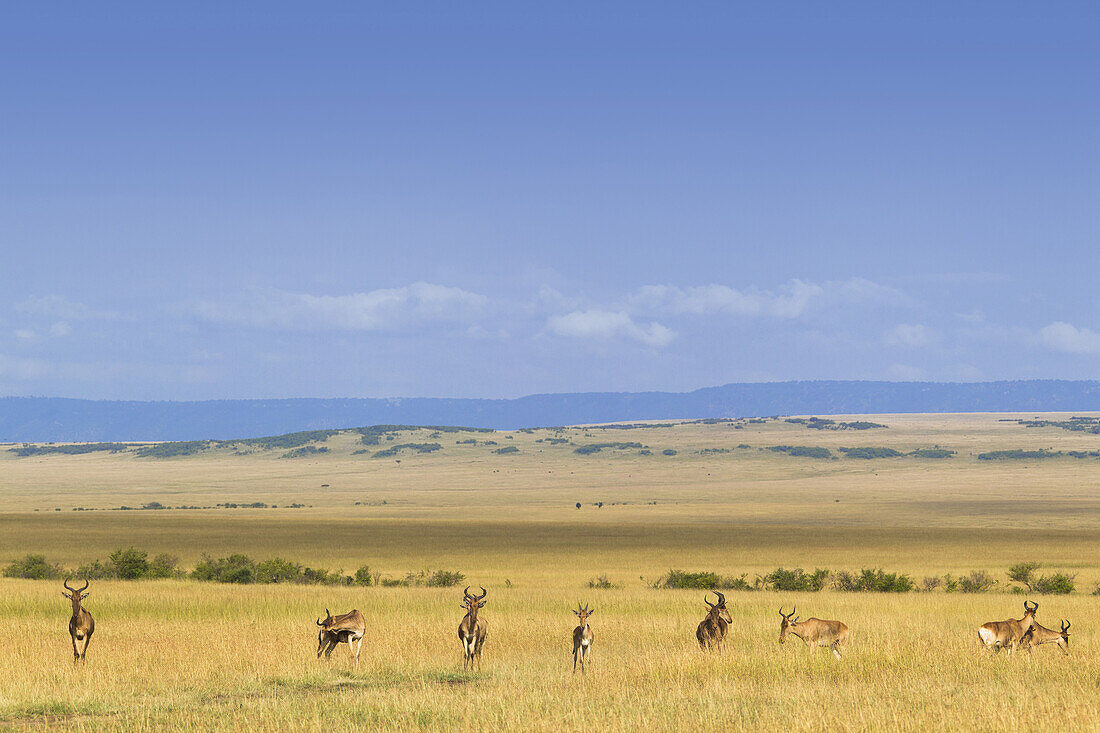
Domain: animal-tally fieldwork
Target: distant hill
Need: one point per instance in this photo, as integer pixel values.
(48, 419)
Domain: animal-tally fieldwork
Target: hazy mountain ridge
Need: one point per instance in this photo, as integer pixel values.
(49, 419)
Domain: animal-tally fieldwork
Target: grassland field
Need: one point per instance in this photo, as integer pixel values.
(194, 656)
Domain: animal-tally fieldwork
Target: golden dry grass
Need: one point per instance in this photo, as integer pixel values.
(174, 654)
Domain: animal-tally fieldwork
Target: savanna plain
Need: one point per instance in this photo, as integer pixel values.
(932, 496)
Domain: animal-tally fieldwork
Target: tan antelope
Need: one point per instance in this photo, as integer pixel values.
(1007, 634)
(346, 628)
(814, 632)
(712, 629)
(81, 625)
(582, 638)
(471, 632)
(1039, 634)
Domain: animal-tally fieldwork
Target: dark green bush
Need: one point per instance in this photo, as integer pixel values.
(932, 453)
(278, 570)
(979, 581)
(236, 568)
(506, 450)
(668, 452)
(682, 579)
(796, 580)
(1056, 584)
(363, 576)
(33, 567)
(129, 564)
(444, 579)
(164, 566)
(869, 452)
(602, 583)
(802, 451)
(873, 581)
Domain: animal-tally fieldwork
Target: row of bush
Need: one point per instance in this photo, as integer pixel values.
(870, 580)
(134, 564)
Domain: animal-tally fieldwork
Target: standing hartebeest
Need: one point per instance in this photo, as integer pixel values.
(81, 625)
(582, 638)
(471, 632)
(345, 628)
(712, 629)
(814, 632)
(1007, 634)
(1039, 634)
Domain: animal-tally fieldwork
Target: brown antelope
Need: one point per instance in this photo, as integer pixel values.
(471, 632)
(712, 629)
(81, 625)
(346, 628)
(1039, 634)
(582, 638)
(814, 632)
(1007, 634)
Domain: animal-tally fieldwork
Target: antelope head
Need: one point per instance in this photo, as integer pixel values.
(718, 610)
(583, 613)
(789, 620)
(472, 603)
(76, 594)
(323, 634)
(1065, 631)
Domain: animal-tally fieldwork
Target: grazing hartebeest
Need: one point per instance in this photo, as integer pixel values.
(1039, 634)
(814, 632)
(81, 625)
(582, 638)
(345, 628)
(471, 632)
(712, 629)
(1007, 634)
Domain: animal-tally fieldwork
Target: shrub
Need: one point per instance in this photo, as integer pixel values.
(668, 452)
(444, 579)
(129, 564)
(33, 567)
(602, 582)
(869, 452)
(874, 581)
(96, 570)
(506, 450)
(930, 583)
(802, 451)
(320, 576)
(683, 579)
(937, 453)
(236, 568)
(979, 581)
(164, 566)
(796, 580)
(278, 570)
(363, 576)
(1023, 573)
(1056, 584)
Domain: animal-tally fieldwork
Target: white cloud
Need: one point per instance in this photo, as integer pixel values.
(790, 300)
(600, 324)
(377, 310)
(909, 334)
(60, 329)
(25, 334)
(1062, 336)
(58, 306)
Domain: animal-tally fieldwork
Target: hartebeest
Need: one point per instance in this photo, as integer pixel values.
(712, 629)
(1007, 634)
(471, 632)
(814, 632)
(1039, 634)
(582, 638)
(346, 628)
(81, 625)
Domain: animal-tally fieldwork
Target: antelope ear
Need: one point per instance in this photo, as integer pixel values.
(66, 595)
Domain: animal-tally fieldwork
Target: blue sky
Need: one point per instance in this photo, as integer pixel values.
(506, 199)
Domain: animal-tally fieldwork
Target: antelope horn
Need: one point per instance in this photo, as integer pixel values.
(721, 598)
(1033, 607)
(483, 592)
(466, 593)
(320, 622)
(86, 583)
(709, 604)
(66, 584)
(1065, 626)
